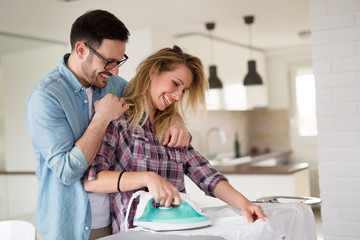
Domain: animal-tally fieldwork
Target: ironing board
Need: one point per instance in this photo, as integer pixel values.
(142, 235)
(284, 221)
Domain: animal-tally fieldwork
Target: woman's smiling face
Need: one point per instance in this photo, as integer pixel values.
(168, 87)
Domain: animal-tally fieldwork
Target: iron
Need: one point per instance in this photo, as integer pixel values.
(185, 216)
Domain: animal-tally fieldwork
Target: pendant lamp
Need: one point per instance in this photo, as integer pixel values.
(252, 77)
(214, 81)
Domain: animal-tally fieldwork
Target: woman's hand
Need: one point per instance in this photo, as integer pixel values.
(162, 190)
(225, 192)
(177, 135)
(253, 212)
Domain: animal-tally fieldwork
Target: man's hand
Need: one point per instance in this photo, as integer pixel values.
(177, 135)
(107, 109)
(110, 107)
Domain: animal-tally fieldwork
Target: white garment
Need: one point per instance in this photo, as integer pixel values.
(99, 202)
(89, 92)
(293, 221)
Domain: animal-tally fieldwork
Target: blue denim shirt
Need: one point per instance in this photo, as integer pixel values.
(57, 115)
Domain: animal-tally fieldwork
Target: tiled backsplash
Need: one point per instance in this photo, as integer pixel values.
(229, 121)
(269, 129)
(258, 128)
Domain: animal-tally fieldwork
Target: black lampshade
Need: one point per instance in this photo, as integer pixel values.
(214, 81)
(252, 78)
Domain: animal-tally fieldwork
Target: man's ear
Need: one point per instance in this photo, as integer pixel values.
(81, 50)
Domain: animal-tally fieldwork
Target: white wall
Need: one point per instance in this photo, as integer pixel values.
(161, 39)
(139, 46)
(335, 26)
(21, 70)
(2, 155)
(279, 62)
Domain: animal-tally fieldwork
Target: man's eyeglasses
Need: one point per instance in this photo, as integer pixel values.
(108, 64)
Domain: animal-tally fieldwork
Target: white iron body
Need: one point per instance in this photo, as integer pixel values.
(185, 216)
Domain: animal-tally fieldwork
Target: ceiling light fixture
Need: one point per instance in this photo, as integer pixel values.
(252, 77)
(214, 81)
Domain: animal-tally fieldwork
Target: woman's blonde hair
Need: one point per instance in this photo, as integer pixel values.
(164, 60)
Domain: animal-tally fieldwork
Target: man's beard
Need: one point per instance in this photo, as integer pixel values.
(88, 73)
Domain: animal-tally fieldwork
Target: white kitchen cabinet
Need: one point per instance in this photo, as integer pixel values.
(231, 62)
(18, 196)
(295, 182)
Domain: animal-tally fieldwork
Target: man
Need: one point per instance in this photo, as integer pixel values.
(67, 129)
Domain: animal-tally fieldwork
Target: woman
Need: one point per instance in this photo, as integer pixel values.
(132, 156)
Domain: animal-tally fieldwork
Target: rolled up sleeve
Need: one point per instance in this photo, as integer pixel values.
(112, 144)
(53, 138)
(200, 171)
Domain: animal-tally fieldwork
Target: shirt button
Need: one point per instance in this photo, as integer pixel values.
(76, 91)
(86, 228)
(86, 101)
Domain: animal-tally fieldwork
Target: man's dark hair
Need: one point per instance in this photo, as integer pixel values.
(94, 26)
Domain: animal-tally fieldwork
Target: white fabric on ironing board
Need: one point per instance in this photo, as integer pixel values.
(293, 221)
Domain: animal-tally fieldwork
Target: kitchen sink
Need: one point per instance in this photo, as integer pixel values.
(266, 159)
(224, 162)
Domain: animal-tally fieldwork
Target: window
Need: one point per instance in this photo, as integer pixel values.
(305, 105)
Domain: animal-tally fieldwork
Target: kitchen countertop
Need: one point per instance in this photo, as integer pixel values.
(277, 169)
(250, 159)
(251, 164)
(274, 154)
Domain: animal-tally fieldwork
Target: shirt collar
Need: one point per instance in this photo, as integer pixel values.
(68, 75)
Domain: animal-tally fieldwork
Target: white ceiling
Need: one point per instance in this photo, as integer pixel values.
(277, 22)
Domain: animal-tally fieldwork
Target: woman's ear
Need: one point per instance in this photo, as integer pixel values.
(151, 75)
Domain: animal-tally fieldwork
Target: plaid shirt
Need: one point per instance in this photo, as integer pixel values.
(139, 151)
